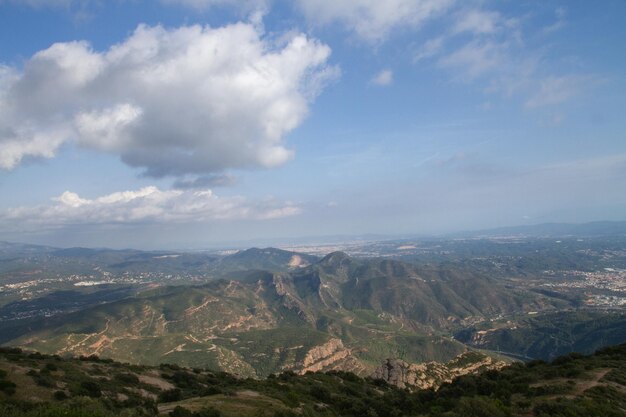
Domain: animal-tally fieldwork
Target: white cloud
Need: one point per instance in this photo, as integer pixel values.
(430, 48)
(373, 20)
(383, 78)
(476, 58)
(148, 204)
(489, 49)
(555, 90)
(477, 22)
(172, 101)
(560, 14)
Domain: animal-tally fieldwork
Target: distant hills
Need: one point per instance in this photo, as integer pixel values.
(590, 229)
(16, 257)
(542, 230)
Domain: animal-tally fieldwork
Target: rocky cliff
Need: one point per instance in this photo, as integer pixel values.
(432, 374)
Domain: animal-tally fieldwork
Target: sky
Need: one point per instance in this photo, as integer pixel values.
(194, 123)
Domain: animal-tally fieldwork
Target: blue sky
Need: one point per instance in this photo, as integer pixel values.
(189, 123)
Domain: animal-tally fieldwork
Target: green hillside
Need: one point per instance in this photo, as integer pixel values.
(546, 336)
(35, 385)
(338, 313)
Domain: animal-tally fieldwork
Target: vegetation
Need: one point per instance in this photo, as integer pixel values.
(546, 336)
(572, 385)
(377, 308)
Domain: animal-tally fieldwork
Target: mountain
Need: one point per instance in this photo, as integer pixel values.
(266, 259)
(41, 261)
(337, 313)
(547, 336)
(36, 385)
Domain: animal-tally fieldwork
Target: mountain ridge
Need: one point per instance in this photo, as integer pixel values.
(372, 306)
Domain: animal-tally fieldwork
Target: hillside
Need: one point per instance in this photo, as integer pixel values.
(49, 386)
(549, 335)
(337, 313)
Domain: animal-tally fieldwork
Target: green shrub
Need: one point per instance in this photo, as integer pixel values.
(180, 412)
(50, 367)
(127, 378)
(7, 387)
(207, 412)
(320, 393)
(170, 395)
(87, 388)
(60, 395)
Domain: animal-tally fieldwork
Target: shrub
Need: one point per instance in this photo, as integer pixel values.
(50, 367)
(170, 395)
(127, 378)
(320, 393)
(207, 412)
(44, 381)
(7, 387)
(60, 395)
(88, 388)
(180, 412)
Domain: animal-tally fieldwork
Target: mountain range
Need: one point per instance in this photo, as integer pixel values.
(300, 314)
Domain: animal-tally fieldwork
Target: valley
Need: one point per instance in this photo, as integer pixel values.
(258, 312)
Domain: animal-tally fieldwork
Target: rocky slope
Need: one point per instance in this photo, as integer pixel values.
(337, 313)
(433, 374)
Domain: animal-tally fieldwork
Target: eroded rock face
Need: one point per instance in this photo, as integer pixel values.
(329, 356)
(432, 374)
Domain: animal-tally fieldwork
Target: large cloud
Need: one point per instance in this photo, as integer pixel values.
(190, 100)
(148, 204)
(372, 20)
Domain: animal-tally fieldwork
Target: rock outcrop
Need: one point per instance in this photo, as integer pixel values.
(432, 374)
(329, 356)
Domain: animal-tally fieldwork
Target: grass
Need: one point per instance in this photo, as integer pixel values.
(242, 404)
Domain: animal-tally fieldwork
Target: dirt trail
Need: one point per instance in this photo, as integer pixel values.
(582, 386)
(585, 385)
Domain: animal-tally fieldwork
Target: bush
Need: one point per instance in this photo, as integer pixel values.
(10, 350)
(320, 393)
(44, 381)
(180, 412)
(60, 395)
(7, 387)
(170, 395)
(127, 378)
(207, 412)
(211, 391)
(50, 367)
(87, 388)
(481, 407)
(36, 355)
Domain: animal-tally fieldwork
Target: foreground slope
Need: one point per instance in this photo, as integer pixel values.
(47, 386)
